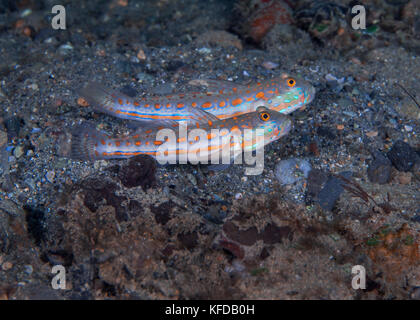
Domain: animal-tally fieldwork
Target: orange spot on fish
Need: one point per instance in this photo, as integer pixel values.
(158, 143)
(127, 143)
(148, 131)
(194, 104)
(180, 105)
(222, 103)
(117, 143)
(206, 105)
(120, 102)
(138, 143)
(260, 95)
(157, 106)
(210, 123)
(236, 102)
(103, 142)
(136, 103)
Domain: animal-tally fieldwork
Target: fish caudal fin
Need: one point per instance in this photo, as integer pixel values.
(103, 99)
(80, 143)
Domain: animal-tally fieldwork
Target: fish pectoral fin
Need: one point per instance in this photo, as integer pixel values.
(215, 86)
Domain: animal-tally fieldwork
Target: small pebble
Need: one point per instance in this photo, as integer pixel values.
(65, 49)
(141, 55)
(7, 266)
(28, 269)
(82, 102)
(270, 65)
(18, 152)
(50, 176)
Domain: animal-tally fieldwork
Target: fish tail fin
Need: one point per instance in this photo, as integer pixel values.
(103, 99)
(81, 142)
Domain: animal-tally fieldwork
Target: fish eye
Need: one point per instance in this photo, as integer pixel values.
(291, 82)
(264, 116)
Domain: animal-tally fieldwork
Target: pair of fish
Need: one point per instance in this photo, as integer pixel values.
(225, 110)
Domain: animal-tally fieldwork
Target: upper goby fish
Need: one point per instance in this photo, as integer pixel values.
(90, 144)
(223, 99)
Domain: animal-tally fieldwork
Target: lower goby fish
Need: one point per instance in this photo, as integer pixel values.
(223, 99)
(90, 144)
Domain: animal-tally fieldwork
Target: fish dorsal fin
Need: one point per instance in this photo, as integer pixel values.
(217, 86)
(197, 116)
(201, 116)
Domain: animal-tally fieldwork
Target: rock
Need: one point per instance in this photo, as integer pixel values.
(7, 266)
(65, 49)
(188, 240)
(28, 269)
(402, 156)
(18, 152)
(163, 212)
(139, 171)
(316, 181)
(97, 189)
(408, 109)
(35, 219)
(379, 169)
(246, 237)
(13, 125)
(403, 177)
(292, 170)
(144, 77)
(274, 234)
(50, 175)
(331, 192)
